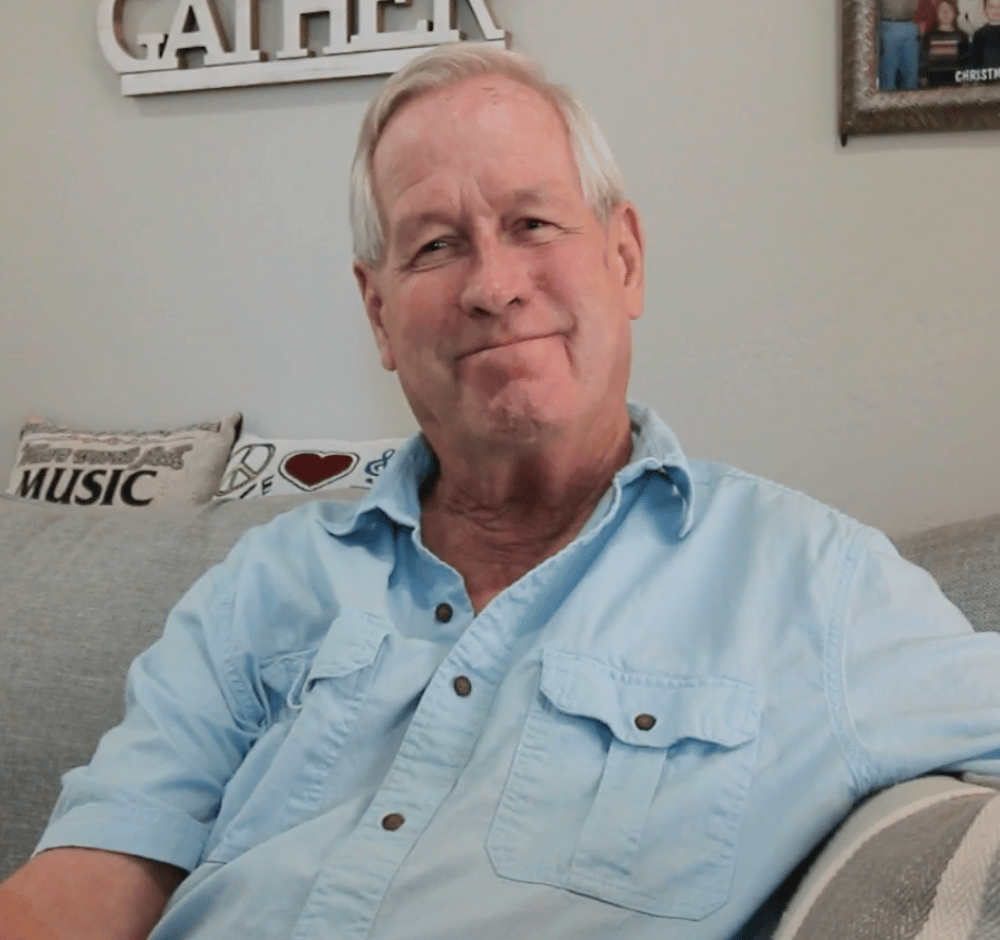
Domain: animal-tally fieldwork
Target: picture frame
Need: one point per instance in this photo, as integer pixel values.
(864, 109)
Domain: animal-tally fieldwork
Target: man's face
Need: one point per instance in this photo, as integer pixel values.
(502, 302)
(992, 10)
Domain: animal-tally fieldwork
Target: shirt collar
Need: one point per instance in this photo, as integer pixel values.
(655, 448)
(396, 492)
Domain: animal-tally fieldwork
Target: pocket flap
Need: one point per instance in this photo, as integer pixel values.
(351, 643)
(649, 709)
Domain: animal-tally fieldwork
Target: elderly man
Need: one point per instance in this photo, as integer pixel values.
(548, 679)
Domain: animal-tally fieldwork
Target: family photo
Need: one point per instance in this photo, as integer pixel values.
(938, 43)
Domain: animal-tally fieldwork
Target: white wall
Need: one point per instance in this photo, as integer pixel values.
(827, 317)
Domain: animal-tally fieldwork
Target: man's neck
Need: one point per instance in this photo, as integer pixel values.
(495, 519)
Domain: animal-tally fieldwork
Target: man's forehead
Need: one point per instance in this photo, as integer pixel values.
(491, 102)
(478, 120)
(491, 87)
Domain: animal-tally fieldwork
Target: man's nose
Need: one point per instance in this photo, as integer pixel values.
(498, 280)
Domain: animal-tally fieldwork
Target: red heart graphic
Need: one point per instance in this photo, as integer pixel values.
(310, 470)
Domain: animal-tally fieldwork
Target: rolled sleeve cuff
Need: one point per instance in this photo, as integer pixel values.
(164, 838)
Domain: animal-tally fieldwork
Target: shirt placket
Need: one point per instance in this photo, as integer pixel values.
(438, 744)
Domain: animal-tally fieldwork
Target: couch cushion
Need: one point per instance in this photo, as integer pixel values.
(81, 593)
(965, 560)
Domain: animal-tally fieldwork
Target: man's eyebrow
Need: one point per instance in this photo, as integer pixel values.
(411, 224)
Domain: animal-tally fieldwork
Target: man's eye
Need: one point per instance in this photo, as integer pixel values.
(535, 229)
(437, 251)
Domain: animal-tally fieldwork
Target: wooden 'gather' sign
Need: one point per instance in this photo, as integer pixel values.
(358, 44)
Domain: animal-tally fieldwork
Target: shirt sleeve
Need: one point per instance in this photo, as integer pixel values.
(154, 785)
(913, 687)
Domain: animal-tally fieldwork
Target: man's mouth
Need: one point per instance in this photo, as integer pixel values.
(504, 344)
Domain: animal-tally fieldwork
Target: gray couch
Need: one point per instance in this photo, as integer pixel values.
(82, 591)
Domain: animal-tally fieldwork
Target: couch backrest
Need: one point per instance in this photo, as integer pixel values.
(83, 591)
(965, 559)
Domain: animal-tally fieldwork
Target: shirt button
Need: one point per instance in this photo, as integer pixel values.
(392, 821)
(462, 686)
(443, 612)
(644, 722)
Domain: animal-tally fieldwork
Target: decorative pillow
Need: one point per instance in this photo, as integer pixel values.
(920, 861)
(55, 464)
(261, 466)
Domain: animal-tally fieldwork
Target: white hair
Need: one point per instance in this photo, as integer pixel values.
(600, 178)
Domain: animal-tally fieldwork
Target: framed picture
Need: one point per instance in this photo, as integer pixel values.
(934, 67)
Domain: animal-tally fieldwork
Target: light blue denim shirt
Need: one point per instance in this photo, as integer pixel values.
(637, 739)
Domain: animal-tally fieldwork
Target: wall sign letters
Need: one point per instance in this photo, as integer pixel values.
(154, 63)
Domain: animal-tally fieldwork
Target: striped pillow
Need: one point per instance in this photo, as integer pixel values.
(919, 861)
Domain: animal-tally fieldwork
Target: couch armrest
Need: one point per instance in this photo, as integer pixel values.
(919, 859)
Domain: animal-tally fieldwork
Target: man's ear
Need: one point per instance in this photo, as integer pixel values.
(630, 248)
(364, 274)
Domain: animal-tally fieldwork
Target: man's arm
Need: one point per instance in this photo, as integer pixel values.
(85, 894)
(912, 687)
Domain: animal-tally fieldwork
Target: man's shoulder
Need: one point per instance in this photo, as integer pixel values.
(298, 550)
(297, 562)
(762, 505)
(299, 523)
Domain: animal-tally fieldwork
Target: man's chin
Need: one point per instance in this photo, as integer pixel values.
(520, 420)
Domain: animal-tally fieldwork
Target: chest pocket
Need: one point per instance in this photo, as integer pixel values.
(629, 787)
(287, 777)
